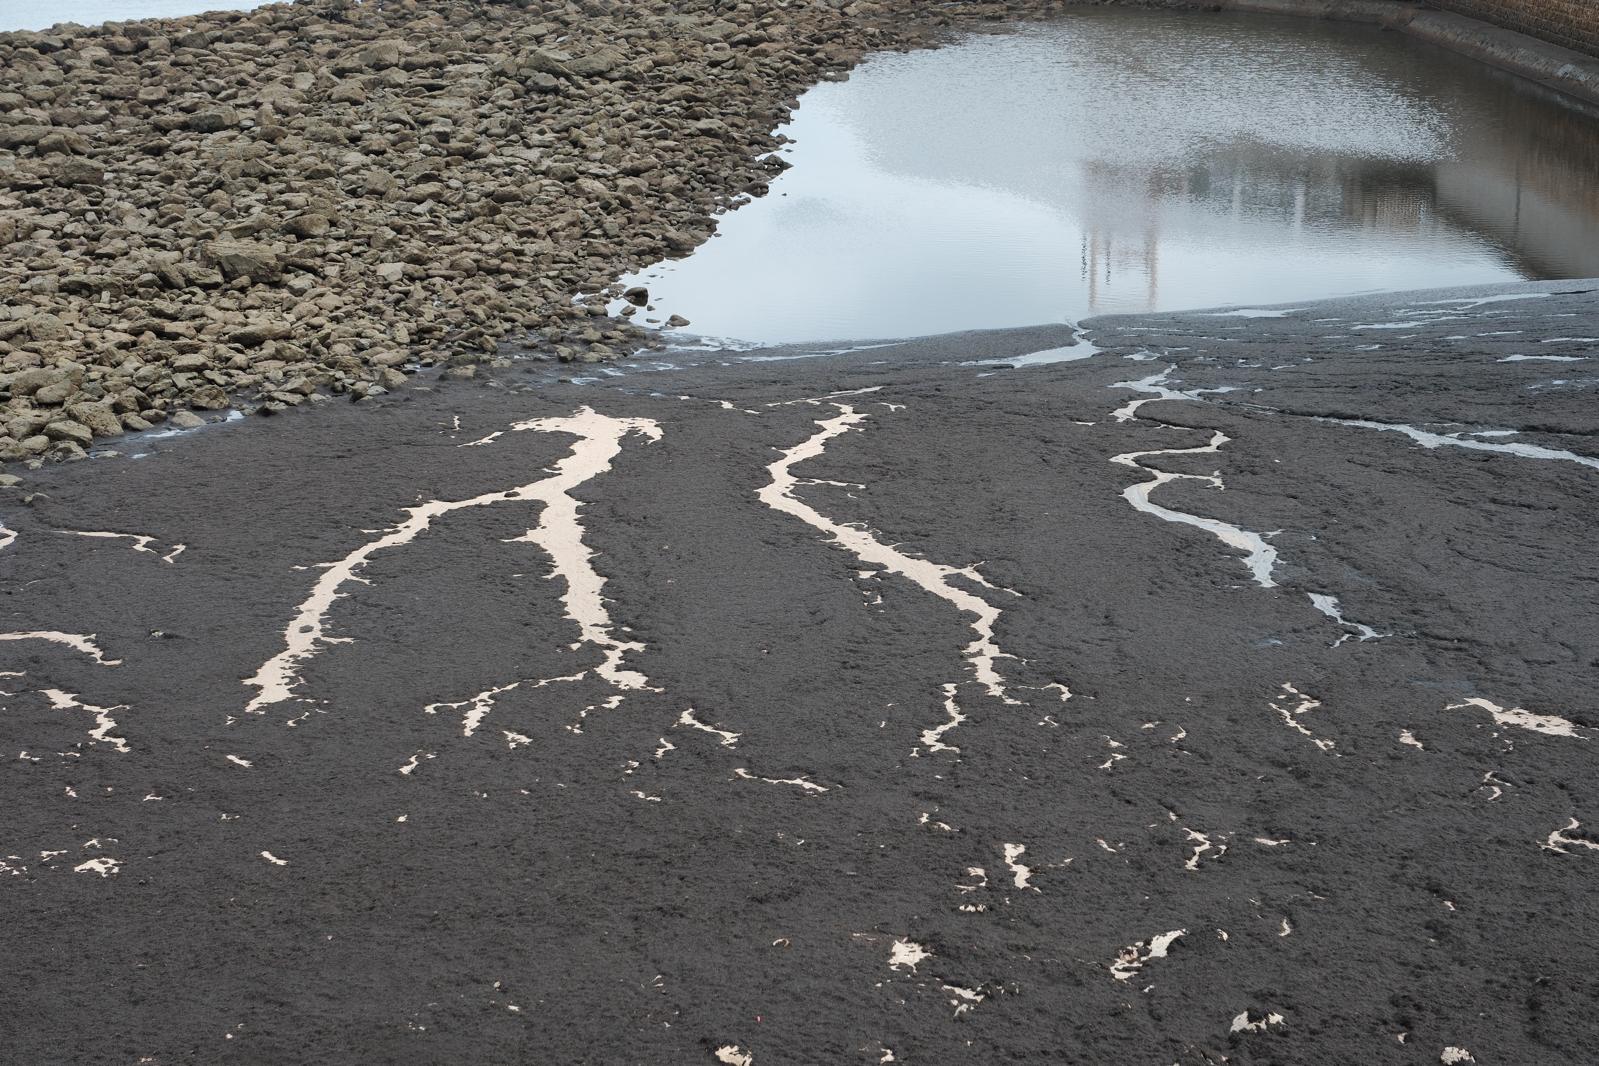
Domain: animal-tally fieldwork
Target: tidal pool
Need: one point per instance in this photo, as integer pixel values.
(1132, 161)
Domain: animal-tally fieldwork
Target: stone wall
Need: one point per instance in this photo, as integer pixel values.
(1572, 23)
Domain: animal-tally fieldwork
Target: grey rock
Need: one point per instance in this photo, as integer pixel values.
(67, 430)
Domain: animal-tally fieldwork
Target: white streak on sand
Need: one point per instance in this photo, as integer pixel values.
(105, 867)
(481, 441)
(1408, 738)
(906, 954)
(1132, 958)
(1452, 1056)
(273, 859)
(75, 641)
(932, 577)
(415, 760)
(1079, 348)
(933, 738)
(1242, 1024)
(559, 533)
(798, 782)
(8, 537)
(1438, 440)
(141, 543)
(1548, 724)
(1021, 875)
(1260, 557)
(1290, 715)
(1156, 388)
(733, 1055)
(1328, 605)
(103, 722)
(727, 739)
(1558, 841)
(1544, 359)
(1202, 844)
(962, 999)
(1479, 301)
(477, 707)
(246, 763)
(1256, 312)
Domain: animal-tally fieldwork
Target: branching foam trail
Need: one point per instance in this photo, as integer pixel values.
(559, 533)
(933, 577)
(1548, 724)
(78, 642)
(141, 543)
(1261, 557)
(1439, 440)
(103, 722)
(1156, 389)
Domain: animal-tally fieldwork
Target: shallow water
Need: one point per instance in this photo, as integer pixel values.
(42, 14)
(1130, 161)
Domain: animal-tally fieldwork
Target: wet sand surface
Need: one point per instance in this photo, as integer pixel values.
(883, 706)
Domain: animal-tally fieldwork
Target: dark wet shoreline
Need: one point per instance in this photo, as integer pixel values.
(813, 832)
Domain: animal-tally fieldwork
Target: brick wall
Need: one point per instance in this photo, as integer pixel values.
(1573, 23)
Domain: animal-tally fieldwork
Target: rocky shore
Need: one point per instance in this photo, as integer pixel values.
(263, 209)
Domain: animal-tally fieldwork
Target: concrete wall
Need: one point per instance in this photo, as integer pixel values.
(1572, 23)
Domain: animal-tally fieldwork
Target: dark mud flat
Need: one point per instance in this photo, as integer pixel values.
(868, 707)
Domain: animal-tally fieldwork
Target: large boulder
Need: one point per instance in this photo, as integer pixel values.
(244, 259)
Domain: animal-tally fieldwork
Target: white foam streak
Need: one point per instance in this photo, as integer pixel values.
(8, 536)
(935, 578)
(1156, 388)
(727, 739)
(1480, 301)
(75, 641)
(1021, 875)
(103, 722)
(934, 738)
(141, 543)
(1328, 605)
(559, 533)
(798, 782)
(1132, 958)
(1260, 557)
(476, 708)
(906, 954)
(1291, 715)
(1080, 348)
(1548, 724)
(105, 867)
(1242, 1024)
(1439, 440)
(1558, 841)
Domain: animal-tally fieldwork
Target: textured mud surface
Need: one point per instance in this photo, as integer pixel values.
(868, 707)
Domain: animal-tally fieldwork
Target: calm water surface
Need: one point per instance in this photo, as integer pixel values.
(1130, 161)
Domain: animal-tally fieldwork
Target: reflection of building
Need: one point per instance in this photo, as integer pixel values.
(1530, 182)
(1520, 176)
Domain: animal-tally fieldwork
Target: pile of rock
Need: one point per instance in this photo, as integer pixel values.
(310, 198)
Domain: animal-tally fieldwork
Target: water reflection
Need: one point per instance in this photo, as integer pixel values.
(1123, 161)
